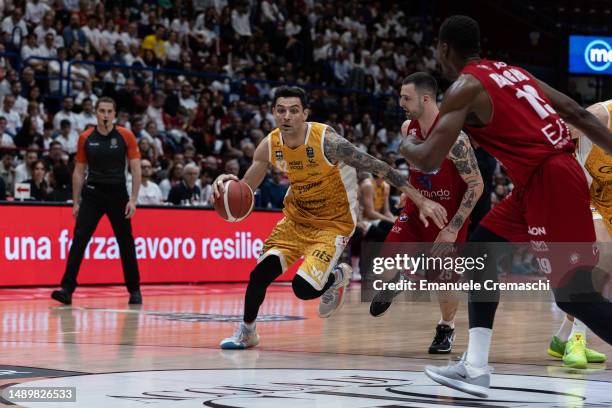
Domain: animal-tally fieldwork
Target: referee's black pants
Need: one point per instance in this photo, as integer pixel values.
(97, 200)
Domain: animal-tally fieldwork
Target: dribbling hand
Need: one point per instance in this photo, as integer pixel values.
(217, 185)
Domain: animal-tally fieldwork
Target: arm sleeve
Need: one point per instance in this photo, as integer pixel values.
(130, 141)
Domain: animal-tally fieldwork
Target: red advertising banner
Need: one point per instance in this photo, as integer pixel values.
(172, 245)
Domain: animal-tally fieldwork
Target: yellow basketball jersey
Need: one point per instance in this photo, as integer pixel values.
(379, 196)
(320, 194)
(599, 166)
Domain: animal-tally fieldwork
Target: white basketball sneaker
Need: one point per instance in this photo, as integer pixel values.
(243, 338)
(333, 298)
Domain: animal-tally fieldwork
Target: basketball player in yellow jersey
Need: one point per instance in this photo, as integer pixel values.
(320, 209)
(570, 341)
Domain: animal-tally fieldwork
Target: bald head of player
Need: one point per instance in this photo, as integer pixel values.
(458, 43)
(418, 98)
(289, 111)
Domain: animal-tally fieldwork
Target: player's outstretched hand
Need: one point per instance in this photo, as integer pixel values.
(433, 210)
(217, 186)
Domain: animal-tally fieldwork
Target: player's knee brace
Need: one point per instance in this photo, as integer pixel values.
(304, 290)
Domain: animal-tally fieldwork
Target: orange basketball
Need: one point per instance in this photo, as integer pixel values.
(236, 202)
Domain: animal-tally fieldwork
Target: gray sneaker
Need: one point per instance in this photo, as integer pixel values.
(456, 376)
(243, 338)
(333, 298)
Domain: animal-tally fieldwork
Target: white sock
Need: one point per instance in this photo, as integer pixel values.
(451, 323)
(578, 327)
(479, 343)
(249, 326)
(566, 328)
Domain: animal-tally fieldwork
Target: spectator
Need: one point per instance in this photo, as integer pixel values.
(149, 193)
(59, 180)
(45, 28)
(15, 27)
(49, 48)
(39, 189)
(273, 190)
(35, 10)
(45, 141)
(29, 50)
(67, 137)
(27, 135)
(205, 184)
(21, 103)
(66, 114)
(10, 114)
(175, 176)
(146, 150)
(86, 93)
(248, 150)
(186, 192)
(55, 155)
(241, 22)
(156, 43)
(93, 35)
(173, 51)
(186, 99)
(232, 167)
(23, 171)
(74, 33)
(7, 172)
(86, 117)
(6, 140)
(2, 189)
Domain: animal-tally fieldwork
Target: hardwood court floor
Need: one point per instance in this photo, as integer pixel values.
(166, 353)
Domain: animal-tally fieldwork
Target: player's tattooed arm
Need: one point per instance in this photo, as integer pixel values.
(338, 149)
(463, 157)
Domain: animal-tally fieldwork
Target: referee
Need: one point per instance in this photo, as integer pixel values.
(102, 151)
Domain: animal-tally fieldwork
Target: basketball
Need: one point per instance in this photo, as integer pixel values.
(236, 202)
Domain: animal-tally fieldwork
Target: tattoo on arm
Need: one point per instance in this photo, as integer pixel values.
(337, 149)
(464, 159)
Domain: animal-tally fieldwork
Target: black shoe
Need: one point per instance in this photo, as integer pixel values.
(383, 299)
(443, 341)
(135, 298)
(63, 296)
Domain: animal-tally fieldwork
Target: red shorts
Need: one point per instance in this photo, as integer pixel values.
(553, 207)
(409, 228)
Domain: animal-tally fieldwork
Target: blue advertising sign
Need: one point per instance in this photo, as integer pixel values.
(590, 55)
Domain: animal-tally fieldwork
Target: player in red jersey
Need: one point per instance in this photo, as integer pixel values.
(456, 185)
(521, 122)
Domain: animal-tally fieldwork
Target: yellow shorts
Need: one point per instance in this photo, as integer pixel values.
(321, 249)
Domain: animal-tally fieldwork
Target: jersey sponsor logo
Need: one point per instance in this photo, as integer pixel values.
(278, 155)
(536, 231)
(95, 144)
(322, 255)
(574, 258)
(296, 165)
(403, 217)
(598, 55)
(396, 229)
(306, 187)
(440, 194)
(113, 143)
(309, 152)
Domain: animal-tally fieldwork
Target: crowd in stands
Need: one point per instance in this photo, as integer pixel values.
(193, 80)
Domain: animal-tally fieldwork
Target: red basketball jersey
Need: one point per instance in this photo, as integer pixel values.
(444, 185)
(524, 130)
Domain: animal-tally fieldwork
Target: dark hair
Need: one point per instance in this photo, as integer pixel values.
(106, 99)
(36, 163)
(462, 34)
(423, 83)
(290, 92)
(65, 123)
